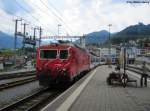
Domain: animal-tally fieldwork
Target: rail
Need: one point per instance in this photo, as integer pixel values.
(17, 74)
(17, 83)
(31, 102)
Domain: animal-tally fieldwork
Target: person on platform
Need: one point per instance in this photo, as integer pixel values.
(144, 75)
(118, 67)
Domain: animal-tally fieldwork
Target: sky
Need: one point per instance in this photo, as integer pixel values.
(76, 17)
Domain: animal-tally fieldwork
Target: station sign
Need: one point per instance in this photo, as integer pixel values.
(29, 41)
(58, 37)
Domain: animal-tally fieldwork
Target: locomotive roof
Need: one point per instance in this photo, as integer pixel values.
(61, 46)
(54, 45)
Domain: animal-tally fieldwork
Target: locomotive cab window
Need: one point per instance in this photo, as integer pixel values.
(48, 54)
(63, 54)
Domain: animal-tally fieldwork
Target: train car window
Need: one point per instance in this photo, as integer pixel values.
(48, 54)
(63, 54)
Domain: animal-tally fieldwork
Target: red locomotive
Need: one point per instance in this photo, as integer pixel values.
(58, 63)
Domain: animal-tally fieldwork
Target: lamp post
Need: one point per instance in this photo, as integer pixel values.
(59, 25)
(124, 51)
(109, 50)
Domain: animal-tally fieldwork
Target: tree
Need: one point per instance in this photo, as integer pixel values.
(7, 53)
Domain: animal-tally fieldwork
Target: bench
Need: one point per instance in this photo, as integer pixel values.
(132, 80)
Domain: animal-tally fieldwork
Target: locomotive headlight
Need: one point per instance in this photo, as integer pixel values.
(64, 69)
(39, 68)
(57, 68)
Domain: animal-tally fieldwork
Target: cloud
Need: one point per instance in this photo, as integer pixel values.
(12, 6)
(97, 14)
(81, 16)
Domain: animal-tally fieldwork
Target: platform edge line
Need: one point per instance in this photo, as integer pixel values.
(71, 99)
(44, 109)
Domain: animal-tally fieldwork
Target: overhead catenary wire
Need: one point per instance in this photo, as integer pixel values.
(41, 10)
(57, 17)
(9, 12)
(28, 12)
(6, 29)
(48, 13)
(55, 14)
(6, 22)
(58, 12)
(7, 19)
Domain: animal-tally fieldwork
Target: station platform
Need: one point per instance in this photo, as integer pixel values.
(92, 93)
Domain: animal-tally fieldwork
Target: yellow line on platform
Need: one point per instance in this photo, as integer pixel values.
(70, 100)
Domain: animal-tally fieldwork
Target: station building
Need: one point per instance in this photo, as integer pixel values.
(104, 55)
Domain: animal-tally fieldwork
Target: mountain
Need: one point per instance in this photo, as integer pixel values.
(138, 29)
(97, 37)
(132, 32)
(7, 41)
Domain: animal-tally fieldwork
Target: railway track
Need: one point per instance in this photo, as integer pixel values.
(16, 75)
(17, 83)
(33, 101)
